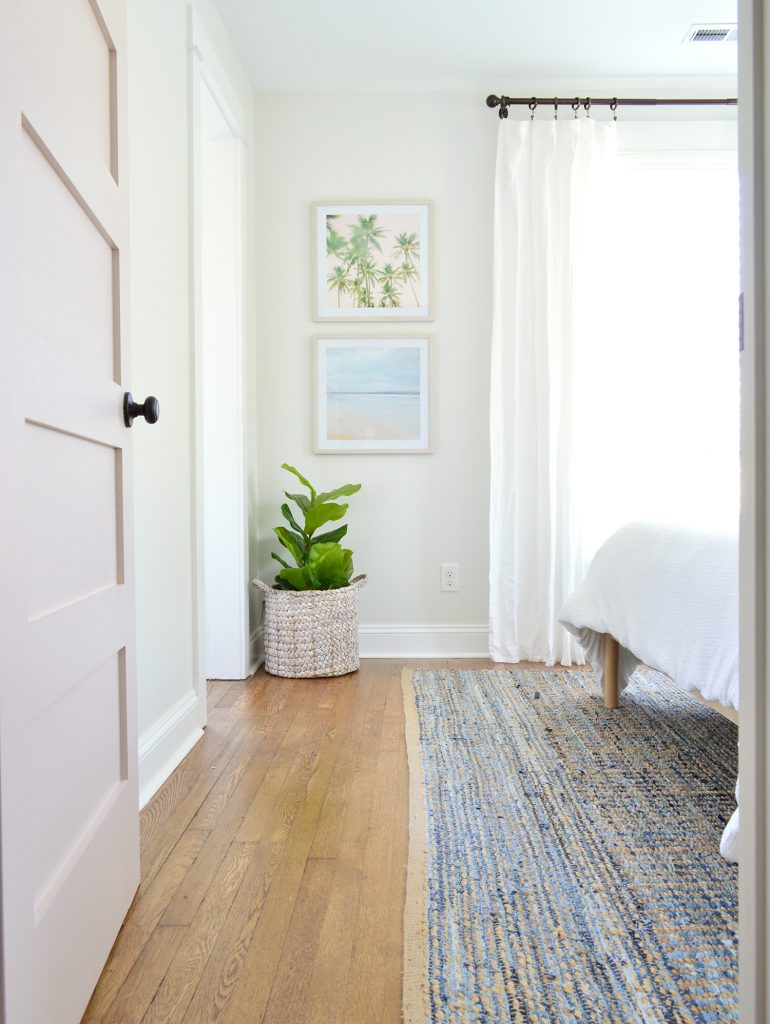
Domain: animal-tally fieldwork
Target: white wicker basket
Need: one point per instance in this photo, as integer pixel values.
(311, 632)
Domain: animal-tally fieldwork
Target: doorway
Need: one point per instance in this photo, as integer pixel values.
(221, 528)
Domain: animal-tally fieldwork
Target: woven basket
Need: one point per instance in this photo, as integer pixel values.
(311, 632)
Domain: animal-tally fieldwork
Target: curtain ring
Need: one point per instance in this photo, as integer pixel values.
(533, 108)
(614, 108)
(503, 112)
(576, 106)
(587, 106)
(555, 109)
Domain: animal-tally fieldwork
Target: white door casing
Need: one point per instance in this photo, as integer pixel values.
(217, 168)
(754, 154)
(68, 778)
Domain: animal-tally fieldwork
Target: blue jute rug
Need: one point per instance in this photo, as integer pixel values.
(564, 858)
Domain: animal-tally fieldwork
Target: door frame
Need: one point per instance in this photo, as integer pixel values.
(754, 156)
(204, 68)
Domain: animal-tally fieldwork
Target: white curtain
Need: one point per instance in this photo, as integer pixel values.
(551, 206)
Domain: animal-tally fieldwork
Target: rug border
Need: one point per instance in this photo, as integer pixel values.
(415, 1005)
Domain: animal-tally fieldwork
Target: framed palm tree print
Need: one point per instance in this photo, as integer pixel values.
(372, 394)
(371, 261)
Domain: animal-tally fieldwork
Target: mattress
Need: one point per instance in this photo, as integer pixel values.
(669, 596)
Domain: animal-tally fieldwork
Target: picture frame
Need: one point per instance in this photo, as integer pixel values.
(372, 261)
(372, 394)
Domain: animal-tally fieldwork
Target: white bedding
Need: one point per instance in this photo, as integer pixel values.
(669, 596)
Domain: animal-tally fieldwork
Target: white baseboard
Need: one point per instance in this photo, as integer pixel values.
(424, 641)
(164, 744)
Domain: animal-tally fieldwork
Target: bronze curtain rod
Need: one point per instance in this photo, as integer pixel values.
(576, 102)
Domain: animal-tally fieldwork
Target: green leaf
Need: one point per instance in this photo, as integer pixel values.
(320, 550)
(317, 515)
(331, 565)
(279, 559)
(345, 491)
(293, 578)
(331, 536)
(300, 477)
(292, 542)
(300, 499)
(290, 519)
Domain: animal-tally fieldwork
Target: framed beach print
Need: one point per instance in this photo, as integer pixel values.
(371, 261)
(372, 394)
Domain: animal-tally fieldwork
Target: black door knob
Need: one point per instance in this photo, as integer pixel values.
(149, 408)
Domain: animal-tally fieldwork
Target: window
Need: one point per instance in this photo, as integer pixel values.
(658, 413)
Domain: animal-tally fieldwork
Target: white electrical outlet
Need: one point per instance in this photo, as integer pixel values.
(450, 577)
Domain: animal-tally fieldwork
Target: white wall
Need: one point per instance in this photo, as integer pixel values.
(414, 511)
(170, 713)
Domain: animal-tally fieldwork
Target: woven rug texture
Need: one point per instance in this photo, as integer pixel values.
(564, 858)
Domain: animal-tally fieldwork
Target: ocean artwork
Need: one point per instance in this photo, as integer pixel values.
(372, 394)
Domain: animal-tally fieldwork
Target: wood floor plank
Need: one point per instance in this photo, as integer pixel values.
(223, 830)
(301, 739)
(180, 982)
(158, 849)
(326, 841)
(142, 920)
(155, 815)
(366, 980)
(157, 892)
(216, 690)
(213, 781)
(234, 694)
(274, 863)
(288, 994)
(396, 893)
(329, 970)
(331, 966)
(260, 919)
(219, 728)
(145, 976)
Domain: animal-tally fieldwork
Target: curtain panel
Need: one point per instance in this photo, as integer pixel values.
(550, 210)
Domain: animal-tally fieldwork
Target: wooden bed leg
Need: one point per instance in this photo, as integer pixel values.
(611, 650)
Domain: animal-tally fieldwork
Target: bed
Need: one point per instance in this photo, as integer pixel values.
(665, 597)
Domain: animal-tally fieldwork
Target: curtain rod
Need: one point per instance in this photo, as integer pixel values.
(575, 102)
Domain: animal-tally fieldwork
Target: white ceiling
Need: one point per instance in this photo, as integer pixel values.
(363, 45)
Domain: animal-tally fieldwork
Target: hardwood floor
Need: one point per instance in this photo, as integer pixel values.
(274, 863)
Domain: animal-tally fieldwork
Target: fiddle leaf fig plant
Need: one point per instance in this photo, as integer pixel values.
(321, 561)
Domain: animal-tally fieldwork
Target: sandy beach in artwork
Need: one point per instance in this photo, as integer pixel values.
(370, 417)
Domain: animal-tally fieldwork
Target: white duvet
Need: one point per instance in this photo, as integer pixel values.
(669, 596)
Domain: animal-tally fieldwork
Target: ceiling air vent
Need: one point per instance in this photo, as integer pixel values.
(722, 33)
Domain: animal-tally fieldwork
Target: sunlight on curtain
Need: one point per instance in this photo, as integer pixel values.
(614, 392)
(657, 352)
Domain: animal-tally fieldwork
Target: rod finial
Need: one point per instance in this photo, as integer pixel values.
(493, 101)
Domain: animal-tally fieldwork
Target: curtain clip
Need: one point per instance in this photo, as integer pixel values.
(587, 106)
(576, 106)
(503, 112)
(533, 108)
(614, 108)
(555, 109)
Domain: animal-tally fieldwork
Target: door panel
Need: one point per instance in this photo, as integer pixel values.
(79, 313)
(74, 553)
(73, 794)
(68, 779)
(83, 81)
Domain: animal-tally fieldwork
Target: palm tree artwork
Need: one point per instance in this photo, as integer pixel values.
(370, 265)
